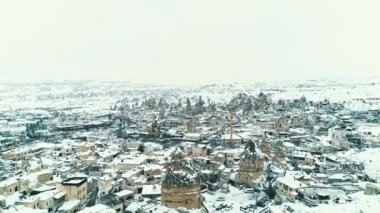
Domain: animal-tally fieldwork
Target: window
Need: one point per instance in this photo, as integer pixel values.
(285, 187)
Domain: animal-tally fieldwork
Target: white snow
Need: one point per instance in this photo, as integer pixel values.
(69, 205)
(361, 203)
(98, 208)
(370, 159)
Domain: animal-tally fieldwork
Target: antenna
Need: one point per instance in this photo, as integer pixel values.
(231, 125)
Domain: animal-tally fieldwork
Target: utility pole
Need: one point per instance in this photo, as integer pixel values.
(231, 125)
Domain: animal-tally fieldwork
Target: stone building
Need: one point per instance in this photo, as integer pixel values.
(75, 188)
(44, 176)
(12, 185)
(251, 165)
(30, 202)
(181, 186)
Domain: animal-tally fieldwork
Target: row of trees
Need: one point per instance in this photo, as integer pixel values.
(197, 108)
(248, 103)
(151, 103)
(192, 108)
(32, 128)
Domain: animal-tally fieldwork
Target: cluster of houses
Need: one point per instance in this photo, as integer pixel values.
(157, 159)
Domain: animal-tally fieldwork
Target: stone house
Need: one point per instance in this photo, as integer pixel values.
(46, 200)
(288, 186)
(44, 176)
(105, 184)
(30, 202)
(75, 188)
(12, 185)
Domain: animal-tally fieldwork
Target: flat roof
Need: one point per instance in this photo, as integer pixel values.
(124, 192)
(291, 182)
(74, 181)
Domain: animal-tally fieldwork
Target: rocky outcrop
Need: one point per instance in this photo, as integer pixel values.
(181, 186)
(251, 165)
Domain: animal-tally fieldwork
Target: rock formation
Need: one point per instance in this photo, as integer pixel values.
(251, 165)
(181, 186)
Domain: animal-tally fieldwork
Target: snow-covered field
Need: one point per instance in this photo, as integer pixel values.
(237, 198)
(100, 95)
(361, 204)
(370, 159)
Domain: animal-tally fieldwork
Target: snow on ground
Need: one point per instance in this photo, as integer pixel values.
(165, 209)
(11, 199)
(357, 95)
(370, 159)
(373, 128)
(21, 208)
(236, 197)
(361, 203)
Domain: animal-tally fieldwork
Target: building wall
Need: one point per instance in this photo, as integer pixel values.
(12, 155)
(74, 192)
(233, 141)
(199, 151)
(85, 155)
(46, 177)
(46, 204)
(152, 172)
(232, 155)
(195, 151)
(339, 139)
(267, 125)
(21, 154)
(19, 185)
(118, 207)
(309, 161)
(105, 186)
(286, 191)
(32, 204)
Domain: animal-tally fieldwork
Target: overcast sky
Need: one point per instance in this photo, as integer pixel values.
(189, 41)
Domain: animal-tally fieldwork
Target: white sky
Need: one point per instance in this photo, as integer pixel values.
(193, 41)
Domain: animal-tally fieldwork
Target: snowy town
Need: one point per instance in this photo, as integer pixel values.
(105, 147)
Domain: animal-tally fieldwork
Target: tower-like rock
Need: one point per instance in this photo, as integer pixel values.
(251, 165)
(181, 186)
